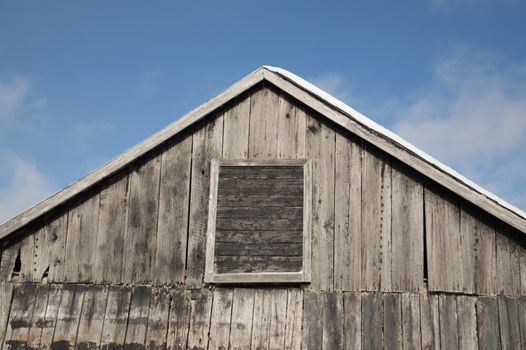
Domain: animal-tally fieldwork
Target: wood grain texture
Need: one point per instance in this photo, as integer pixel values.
(6, 294)
(261, 319)
(92, 318)
(320, 147)
(179, 322)
(115, 317)
(333, 321)
(263, 133)
(393, 321)
(158, 319)
(294, 322)
(111, 231)
(372, 321)
(448, 322)
(138, 317)
(37, 320)
(407, 248)
(278, 318)
(220, 319)
(430, 322)
(292, 123)
(236, 130)
(68, 317)
(488, 323)
(242, 314)
(200, 319)
(312, 320)
(467, 322)
(50, 317)
(174, 192)
(141, 226)
(352, 303)
(509, 323)
(17, 331)
(207, 145)
(10, 252)
(411, 320)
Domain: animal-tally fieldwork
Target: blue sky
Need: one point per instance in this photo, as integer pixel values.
(82, 82)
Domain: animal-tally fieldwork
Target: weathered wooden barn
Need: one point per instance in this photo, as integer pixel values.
(271, 217)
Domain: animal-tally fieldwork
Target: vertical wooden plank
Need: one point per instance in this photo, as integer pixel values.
(522, 261)
(200, 320)
(294, 323)
(110, 236)
(320, 144)
(264, 105)
(505, 277)
(41, 256)
(81, 243)
(515, 263)
(509, 323)
(38, 317)
(291, 129)
(92, 317)
(10, 252)
(207, 145)
(50, 318)
(141, 227)
(278, 317)
(158, 320)
(56, 246)
(220, 323)
(343, 236)
(6, 294)
(467, 322)
(312, 322)
(138, 317)
(172, 229)
(443, 243)
(66, 327)
(261, 319)
(19, 323)
(27, 253)
(411, 321)
(372, 321)
(376, 211)
(353, 321)
(333, 321)
(236, 128)
(430, 322)
(407, 233)
(179, 322)
(242, 313)
(448, 322)
(392, 321)
(482, 256)
(522, 320)
(488, 323)
(115, 317)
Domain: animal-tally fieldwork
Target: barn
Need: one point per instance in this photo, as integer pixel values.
(271, 217)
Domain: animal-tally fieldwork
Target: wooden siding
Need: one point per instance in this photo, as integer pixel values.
(376, 225)
(111, 317)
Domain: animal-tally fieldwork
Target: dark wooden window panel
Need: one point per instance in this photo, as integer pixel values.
(259, 221)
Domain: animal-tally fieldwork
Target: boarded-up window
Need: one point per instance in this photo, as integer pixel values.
(259, 221)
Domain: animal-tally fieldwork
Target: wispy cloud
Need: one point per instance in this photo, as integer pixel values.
(24, 185)
(21, 182)
(149, 83)
(471, 115)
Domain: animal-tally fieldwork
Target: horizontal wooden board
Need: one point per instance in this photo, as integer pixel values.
(262, 212)
(250, 236)
(262, 190)
(258, 249)
(231, 264)
(259, 224)
(261, 172)
(238, 183)
(273, 200)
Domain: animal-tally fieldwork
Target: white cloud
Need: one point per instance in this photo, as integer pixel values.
(471, 115)
(23, 185)
(17, 103)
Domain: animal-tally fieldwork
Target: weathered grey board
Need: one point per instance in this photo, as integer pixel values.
(294, 322)
(200, 319)
(111, 231)
(68, 316)
(10, 252)
(372, 321)
(522, 320)
(467, 322)
(320, 147)
(158, 320)
(221, 319)
(488, 323)
(236, 128)
(312, 320)
(207, 145)
(258, 249)
(115, 317)
(227, 264)
(255, 237)
(353, 320)
(291, 126)
(333, 321)
(179, 321)
(21, 313)
(6, 293)
(48, 326)
(261, 319)
(92, 318)
(430, 322)
(509, 323)
(37, 319)
(141, 224)
(393, 321)
(412, 335)
(263, 131)
(81, 241)
(138, 317)
(174, 192)
(242, 312)
(448, 322)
